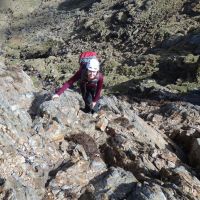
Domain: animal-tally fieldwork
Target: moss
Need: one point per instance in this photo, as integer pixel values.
(184, 87)
(36, 81)
(42, 49)
(190, 58)
(136, 71)
(35, 64)
(13, 62)
(110, 66)
(116, 84)
(12, 52)
(98, 25)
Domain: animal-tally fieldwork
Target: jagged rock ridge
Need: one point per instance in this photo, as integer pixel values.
(144, 145)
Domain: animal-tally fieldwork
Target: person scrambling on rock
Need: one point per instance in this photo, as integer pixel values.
(91, 81)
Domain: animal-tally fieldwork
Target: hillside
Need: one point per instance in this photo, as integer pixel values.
(144, 144)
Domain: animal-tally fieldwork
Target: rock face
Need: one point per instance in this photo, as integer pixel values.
(61, 153)
(114, 184)
(12, 80)
(143, 144)
(194, 152)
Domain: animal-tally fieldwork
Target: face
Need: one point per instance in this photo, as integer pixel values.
(91, 74)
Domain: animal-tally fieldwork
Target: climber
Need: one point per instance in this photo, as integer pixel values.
(91, 82)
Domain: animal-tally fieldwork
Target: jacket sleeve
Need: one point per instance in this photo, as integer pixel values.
(99, 88)
(70, 82)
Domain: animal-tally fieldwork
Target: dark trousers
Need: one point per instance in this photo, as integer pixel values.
(88, 95)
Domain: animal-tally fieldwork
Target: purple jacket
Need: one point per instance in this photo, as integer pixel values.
(76, 77)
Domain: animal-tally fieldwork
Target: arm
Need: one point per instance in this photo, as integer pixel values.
(70, 82)
(99, 88)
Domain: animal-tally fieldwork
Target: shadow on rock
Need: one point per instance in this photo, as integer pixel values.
(87, 142)
(179, 59)
(39, 99)
(191, 8)
(139, 91)
(193, 97)
(69, 5)
(116, 183)
(178, 69)
(62, 167)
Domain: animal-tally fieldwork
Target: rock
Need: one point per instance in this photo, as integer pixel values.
(88, 143)
(97, 164)
(38, 51)
(13, 79)
(172, 41)
(195, 40)
(110, 104)
(184, 181)
(142, 130)
(102, 124)
(114, 184)
(146, 131)
(13, 189)
(180, 115)
(148, 51)
(194, 153)
(72, 180)
(148, 191)
(65, 109)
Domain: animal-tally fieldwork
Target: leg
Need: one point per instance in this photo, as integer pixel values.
(87, 97)
(88, 101)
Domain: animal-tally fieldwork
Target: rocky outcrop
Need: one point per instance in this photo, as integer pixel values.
(12, 79)
(60, 152)
(144, 145)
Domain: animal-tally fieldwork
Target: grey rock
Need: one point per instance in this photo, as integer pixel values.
(150, 191)
(115, 184)
(172, 41)
(195, 40)
(194, 153)
(53, 150)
